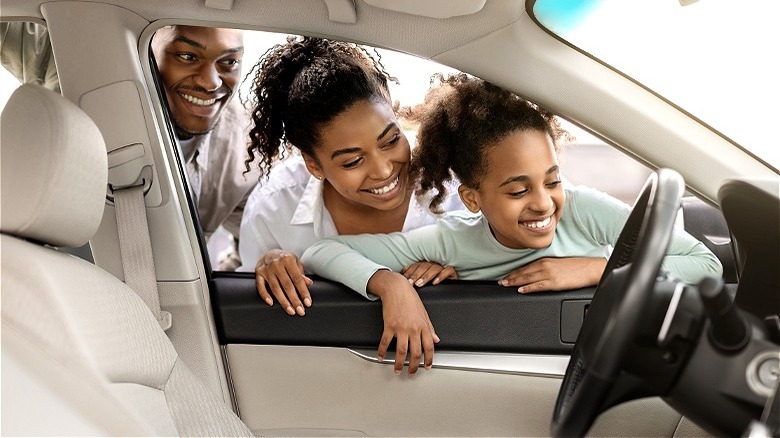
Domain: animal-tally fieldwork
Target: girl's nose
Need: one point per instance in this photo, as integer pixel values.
(541, 201)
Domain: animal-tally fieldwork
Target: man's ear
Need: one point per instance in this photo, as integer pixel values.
(312, 166)
(470, 198)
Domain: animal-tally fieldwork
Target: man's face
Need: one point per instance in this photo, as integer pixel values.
(200, 68)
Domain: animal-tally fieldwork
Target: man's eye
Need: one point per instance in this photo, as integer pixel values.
(186, 56)
(231, 62)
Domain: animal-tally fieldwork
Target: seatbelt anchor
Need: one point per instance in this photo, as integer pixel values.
(144, 180)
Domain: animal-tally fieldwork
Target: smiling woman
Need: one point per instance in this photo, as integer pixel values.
(329, 103)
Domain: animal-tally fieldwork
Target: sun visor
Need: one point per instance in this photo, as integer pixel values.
(431, 8)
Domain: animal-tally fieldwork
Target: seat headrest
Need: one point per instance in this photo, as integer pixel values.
(54, 169)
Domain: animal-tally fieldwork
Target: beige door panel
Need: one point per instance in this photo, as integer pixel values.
(318, 391)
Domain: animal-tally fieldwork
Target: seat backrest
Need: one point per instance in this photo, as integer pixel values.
(59, 309)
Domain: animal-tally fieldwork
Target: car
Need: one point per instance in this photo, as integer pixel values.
(639, 355)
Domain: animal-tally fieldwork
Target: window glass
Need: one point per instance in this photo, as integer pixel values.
(714, 58)
(26, 55)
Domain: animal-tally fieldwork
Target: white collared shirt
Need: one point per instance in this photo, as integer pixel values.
(287, 212)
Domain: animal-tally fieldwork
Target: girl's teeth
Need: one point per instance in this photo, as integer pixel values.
(539, 224)
(385, 189)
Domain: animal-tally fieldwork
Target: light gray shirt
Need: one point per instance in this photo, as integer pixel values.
(591, 221)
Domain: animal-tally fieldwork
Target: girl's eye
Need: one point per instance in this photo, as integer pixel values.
(554, 184)
(352, 164)
(518, 194)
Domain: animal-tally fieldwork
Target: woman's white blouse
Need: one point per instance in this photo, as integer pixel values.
(287, 212)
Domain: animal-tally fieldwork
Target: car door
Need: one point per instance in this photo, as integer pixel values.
(496, 371)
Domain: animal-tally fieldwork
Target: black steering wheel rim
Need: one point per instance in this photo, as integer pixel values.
(614, 313)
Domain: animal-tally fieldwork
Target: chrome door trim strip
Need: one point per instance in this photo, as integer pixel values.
(537, 365)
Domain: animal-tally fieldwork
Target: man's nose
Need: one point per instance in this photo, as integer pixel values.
(208, 77)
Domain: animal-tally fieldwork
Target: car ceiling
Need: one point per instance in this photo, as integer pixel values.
(500, 43)
(421, 35)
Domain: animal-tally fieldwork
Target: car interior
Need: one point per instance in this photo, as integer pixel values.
(114, 321)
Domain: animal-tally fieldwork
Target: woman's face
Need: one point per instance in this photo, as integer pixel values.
(365, 156)
(521, 195)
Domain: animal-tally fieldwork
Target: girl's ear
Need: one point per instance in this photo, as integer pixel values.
(312, 166)
(470, 198)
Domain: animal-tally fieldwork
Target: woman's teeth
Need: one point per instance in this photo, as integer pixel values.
(196, 101)
(385, 189)
(538, 224)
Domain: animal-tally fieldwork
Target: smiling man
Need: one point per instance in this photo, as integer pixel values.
(200, 68)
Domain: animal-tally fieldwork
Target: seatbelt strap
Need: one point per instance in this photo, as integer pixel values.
(136, 248)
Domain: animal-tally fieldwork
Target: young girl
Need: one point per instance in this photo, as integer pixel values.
(522, 220)
(330, 101)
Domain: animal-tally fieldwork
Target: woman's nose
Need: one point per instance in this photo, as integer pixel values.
(382, 170)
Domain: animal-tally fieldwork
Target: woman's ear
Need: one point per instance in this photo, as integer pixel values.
(470, 198)
(312, 166)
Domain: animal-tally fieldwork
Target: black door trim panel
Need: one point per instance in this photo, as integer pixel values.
(470, 316)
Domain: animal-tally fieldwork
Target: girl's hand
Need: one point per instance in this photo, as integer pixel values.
(282, 273)
(405, 319)
(420, 273)
(556, 274)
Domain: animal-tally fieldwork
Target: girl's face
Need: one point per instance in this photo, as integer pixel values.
(521, 195)
(365, 156)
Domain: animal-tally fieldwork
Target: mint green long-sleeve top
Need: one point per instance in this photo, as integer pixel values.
(589, 226)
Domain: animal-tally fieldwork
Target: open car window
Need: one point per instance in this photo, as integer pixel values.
(587, 161)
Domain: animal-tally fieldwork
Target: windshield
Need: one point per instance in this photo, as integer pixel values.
(716, 59)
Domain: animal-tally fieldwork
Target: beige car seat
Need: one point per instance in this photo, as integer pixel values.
(81, 352)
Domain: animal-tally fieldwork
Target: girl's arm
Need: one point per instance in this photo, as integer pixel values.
(604, 217)
(353, 260)
(690, 260)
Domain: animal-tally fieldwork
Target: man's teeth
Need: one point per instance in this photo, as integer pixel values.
(539, 224)
(196, 101)
(385, 189)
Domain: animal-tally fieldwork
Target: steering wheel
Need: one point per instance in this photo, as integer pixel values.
(613, 319)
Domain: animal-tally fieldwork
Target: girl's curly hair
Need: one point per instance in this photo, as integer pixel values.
(302, 85)
(461, 117)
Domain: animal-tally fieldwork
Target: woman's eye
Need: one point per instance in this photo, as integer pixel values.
(351, 164)
(186, 56)
(554, 184)
(393, 141)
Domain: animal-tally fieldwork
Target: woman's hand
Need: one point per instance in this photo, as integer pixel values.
(405, 319)
(282, 273)
(556, 274)
(420, 273)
